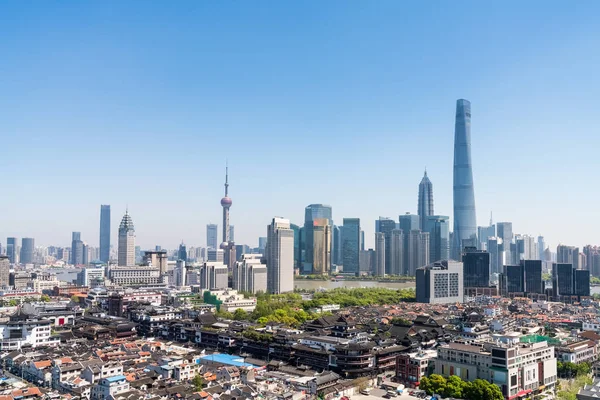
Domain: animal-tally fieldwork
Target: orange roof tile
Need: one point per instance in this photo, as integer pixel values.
(42, 364)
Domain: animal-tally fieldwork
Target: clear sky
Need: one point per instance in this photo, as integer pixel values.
(140, 103)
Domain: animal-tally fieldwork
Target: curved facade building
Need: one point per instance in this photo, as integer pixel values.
(465, 225)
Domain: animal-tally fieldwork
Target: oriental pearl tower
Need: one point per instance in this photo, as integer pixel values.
(226, 203)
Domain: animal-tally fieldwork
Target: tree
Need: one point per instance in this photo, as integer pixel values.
(455, 387)
(240, 315)
(74, 299)
(198, 382)
(480, 389)
(45, 298)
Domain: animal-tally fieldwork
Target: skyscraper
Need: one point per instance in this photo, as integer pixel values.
(476, 264)
(297, 249)
(212, 239)
(532, 270)
(397, 252)
(562, 279)
(425, 205)
(351, 245)
(386, 226)
(126, 251)
(231, 233)
(280, 256)
(504, 231)
(182, 252)
(104, 233)
(4, 271)
(336, 245)
(311, 213)
(465, 224)
(27, 250)
(76, 249)
(568, 254)
(321, 246)
(379, 254)
(438, 228)
(541, 247)
(11, 249)
(484, 233)
(226, 203)
(418, 251)
(408, 223)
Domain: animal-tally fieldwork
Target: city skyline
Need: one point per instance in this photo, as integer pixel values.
(158, 93)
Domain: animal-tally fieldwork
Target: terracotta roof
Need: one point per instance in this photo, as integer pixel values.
(42, 364)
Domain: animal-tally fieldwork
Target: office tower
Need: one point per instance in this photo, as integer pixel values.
(262, 244)
(438, 228)
(595, 264)
(180, 273)
(505, 233)
(397, 252)
(11, 249)
(280, 256)
(27, 250)
(541, 246)
(157, 259)
(418, 251)
(512, 279)
(336, 245)
(230, 256)
(484, 233)
(231, 233)
(4, 271)
(126, 254)
(311, 213)
(351, 245)
(297, 249)
(213, 275)
(409, 222)
(367, 260)
(440, 283)
(528, 248)
(496, 256)
(212, 236)
(568, 255)
(215, 255)
(386, 226)
(465, 224)
(581, 282)
(76, 249)
(425, 205)
(157, 248)
(532, 270)
(250, 274)
(562, 279)
(104, 233)
(226, 203)
(182, 252)
(321, 246)
(476, 268)
(379, 254)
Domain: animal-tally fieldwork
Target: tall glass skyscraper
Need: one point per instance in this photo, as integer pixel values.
(465, 224)
(351, 245)
(212, 236)
(311, 213)
(11, 249)
(439, 237)
(104, 233)
(425, 206)
(27, 249)
(386, 226)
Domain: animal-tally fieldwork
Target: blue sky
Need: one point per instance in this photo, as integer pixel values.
(140, 103)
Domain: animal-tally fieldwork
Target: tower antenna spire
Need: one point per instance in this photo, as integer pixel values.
(226, 177)
(491, 223)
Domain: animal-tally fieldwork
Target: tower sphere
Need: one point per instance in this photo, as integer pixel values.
(226, 202)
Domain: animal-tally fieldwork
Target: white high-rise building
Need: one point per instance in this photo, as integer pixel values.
(280, 256)
(180, 273)
(250, 274)
(126, 257)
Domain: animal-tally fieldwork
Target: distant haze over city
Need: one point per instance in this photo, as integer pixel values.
(308, 103)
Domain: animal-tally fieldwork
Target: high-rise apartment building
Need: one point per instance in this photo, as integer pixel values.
(379, 254)
(351, 245)
(568, 255)
(541, 245)
(279, 253)
(250, 274)
(4, 271)
(425, 204)
(105, 233)
(440, 282)
(180, 273)
(386, 226)
(418, 251)
(311, 213)
(321, 246)
(212, 236)
(465, 223)
(12, 245)
(27, 251)
(438, 227)
(408, 223)
(397, 253)
(126, 251)
(476, 268)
